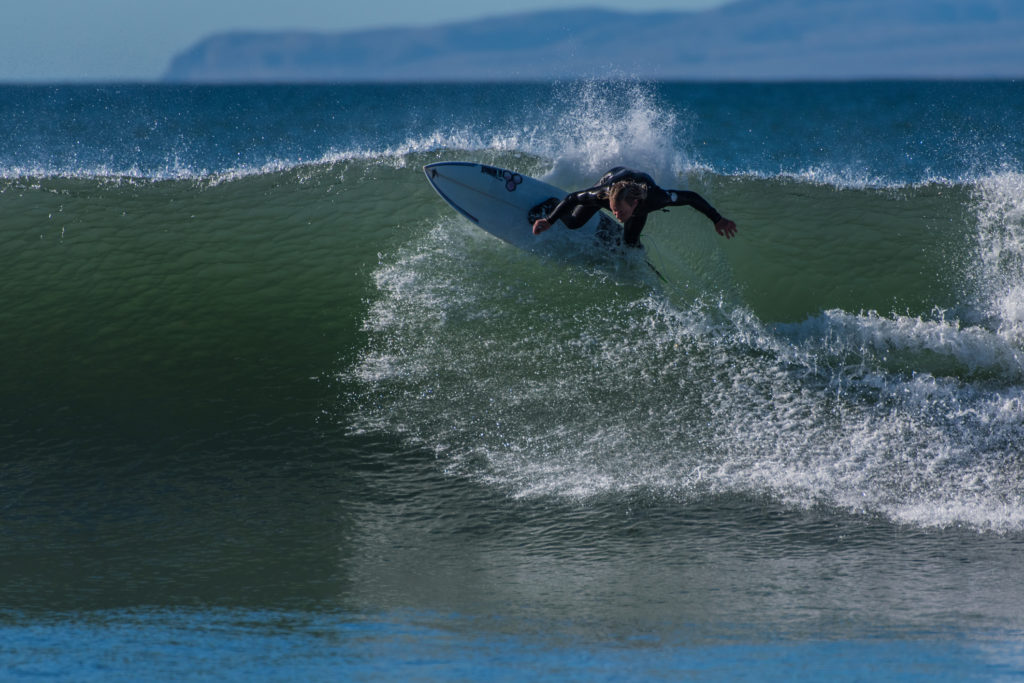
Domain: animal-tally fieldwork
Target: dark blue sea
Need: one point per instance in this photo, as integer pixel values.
(271, 410)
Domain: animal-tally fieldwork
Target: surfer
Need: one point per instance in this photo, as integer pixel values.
(630, 196)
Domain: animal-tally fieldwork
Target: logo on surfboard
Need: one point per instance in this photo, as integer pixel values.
(512, 180)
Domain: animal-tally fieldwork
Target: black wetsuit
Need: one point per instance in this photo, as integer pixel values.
(579, 207)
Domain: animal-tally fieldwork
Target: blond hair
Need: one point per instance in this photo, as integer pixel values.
(627, 191)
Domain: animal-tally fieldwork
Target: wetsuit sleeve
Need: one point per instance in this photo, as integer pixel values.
(660, 199)
(590, 197)
(688, 198)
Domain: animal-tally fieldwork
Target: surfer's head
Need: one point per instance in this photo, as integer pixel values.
(624, 198)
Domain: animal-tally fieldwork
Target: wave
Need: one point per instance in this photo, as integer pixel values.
(804, 246)
(569, 389)
(855, 347)
(834, 355)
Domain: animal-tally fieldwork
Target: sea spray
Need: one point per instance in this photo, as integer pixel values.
(999, 271)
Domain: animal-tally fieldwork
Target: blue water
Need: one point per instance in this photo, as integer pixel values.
(888, 132)
(408, 646)
(272, 410)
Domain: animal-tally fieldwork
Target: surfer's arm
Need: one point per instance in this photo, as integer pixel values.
(566, 211)
(632, 229)
(564, 207)
(723, 226)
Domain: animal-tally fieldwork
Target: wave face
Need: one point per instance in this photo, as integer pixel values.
(208, 260)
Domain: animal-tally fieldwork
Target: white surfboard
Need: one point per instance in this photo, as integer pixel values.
(506, 203)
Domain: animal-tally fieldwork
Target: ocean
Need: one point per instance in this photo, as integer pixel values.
(271, 410)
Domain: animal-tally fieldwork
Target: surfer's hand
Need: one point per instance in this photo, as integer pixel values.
(540, 225)
(724, 227)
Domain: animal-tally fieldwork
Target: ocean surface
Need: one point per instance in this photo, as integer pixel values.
(271, 410)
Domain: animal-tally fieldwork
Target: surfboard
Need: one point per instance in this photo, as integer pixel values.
(506, 203)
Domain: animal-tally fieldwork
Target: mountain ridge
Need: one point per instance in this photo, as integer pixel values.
(744, 40)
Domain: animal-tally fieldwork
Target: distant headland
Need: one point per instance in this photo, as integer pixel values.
(752, 40)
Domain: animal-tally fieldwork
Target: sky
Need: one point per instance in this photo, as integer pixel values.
(134, 40)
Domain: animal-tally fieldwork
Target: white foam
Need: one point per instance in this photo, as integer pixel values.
(542, 380)
(614, 124)
(941, 344)
(1000, 269)
(640, 396)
